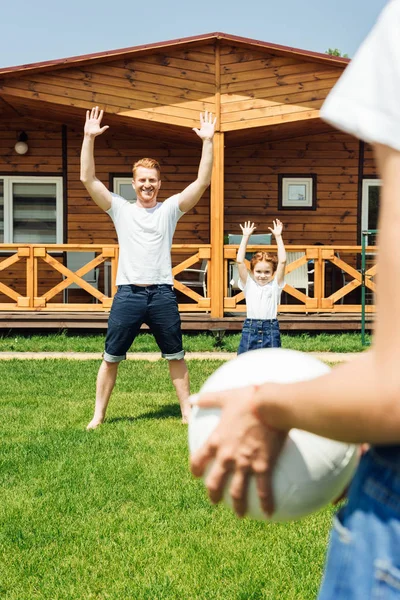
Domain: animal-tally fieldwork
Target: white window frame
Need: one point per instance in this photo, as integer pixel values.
(8, 181)
(117, 181)
(364, 200)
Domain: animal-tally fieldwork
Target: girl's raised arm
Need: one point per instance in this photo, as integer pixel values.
(247, 229)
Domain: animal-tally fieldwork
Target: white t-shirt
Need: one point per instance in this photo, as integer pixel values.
(365, 101)
(261, 300)
(145, 239)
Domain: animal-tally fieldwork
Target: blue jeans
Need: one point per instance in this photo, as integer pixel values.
(259, 333)
(363, 561)
(134, 305)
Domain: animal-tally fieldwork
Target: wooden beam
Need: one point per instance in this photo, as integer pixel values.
(217, 222)
(287, 117)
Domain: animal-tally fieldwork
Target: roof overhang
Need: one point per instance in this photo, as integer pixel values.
(180, 43)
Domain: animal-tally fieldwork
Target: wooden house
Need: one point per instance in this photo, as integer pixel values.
(274, 158)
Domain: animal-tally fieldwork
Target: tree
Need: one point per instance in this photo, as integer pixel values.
(336, 52)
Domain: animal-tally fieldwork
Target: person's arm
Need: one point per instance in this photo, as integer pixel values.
(192, 194)
(280, 269)
(97, 190)
(247, 230)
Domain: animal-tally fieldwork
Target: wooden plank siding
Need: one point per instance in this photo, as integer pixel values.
(170, 87)
(260, 88)
(369, 167)
(115, 154)
(45, 149)
(251, 187)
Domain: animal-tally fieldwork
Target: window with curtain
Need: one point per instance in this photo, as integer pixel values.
(31, 210)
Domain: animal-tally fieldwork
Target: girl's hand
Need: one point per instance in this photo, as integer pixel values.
(277, 227)
(240, 445)
(247, 228)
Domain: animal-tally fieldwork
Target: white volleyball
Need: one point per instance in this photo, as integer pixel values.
(311, 471)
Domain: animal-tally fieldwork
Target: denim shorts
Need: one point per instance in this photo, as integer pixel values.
(259, 333)
(363, 561)
(133, 305)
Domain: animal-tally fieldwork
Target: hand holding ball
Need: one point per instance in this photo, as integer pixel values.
(311, 471)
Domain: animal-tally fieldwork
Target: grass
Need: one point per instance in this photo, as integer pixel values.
(203, 342)
(115, 513)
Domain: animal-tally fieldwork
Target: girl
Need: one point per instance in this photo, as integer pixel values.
(262, 288)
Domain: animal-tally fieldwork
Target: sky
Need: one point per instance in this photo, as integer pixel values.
(34, 31)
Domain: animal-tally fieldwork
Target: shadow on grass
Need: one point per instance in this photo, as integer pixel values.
(164, 412)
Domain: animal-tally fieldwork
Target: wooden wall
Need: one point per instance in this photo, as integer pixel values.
(251, 180)
(115, 153)
(251, 187)
(369, 167)
(45, 147)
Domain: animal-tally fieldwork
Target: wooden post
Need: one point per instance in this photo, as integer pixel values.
(216, 272)
(30, 276)
(217, 228)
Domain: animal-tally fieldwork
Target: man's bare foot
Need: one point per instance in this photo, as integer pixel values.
(186, 410)
(94, 423)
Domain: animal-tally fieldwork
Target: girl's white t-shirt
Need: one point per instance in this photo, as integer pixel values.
(262, 301)
(365, 101)
(145, 239)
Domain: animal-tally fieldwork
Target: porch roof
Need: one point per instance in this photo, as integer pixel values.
(178, 43)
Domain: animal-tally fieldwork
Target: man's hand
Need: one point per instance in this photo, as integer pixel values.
(207, 126)
(93, 122)
(240, 444)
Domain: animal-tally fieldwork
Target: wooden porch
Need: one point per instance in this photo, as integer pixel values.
(34, 277)
(191, 322)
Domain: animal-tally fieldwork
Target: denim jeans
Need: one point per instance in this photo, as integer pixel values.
(154, 305)
(363, 561)
(259, 333)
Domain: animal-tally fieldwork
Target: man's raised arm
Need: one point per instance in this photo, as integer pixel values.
(192, 194)
(97, 190)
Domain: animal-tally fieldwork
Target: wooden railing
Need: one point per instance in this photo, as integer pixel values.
(330, 293)
(33, 277)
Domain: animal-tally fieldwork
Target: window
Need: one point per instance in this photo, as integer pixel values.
(123, 187)
(31, 210)
(297, 192)
(370, 204)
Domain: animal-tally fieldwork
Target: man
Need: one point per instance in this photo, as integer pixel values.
(144, 278)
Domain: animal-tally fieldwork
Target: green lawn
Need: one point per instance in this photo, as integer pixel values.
(115, 513)
(203, 342)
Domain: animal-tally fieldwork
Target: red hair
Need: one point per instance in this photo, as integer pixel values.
(264, 257)
(147, 163)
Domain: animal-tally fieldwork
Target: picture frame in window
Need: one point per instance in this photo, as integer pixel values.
(297, 192)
